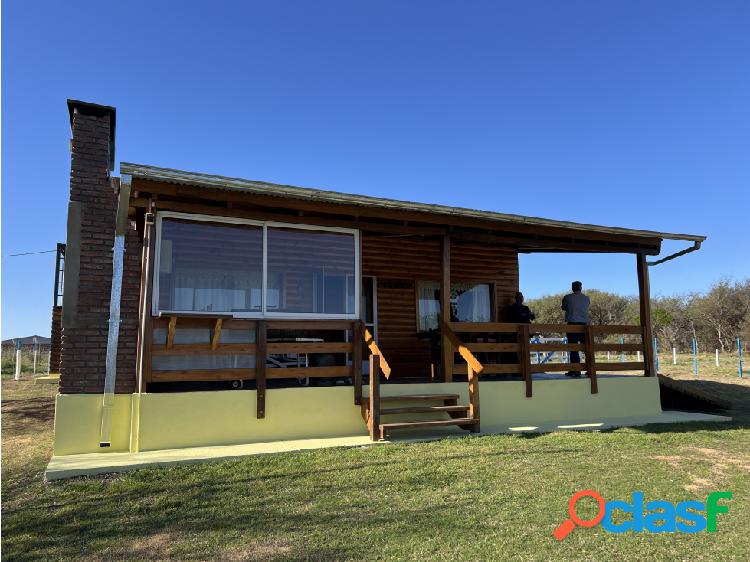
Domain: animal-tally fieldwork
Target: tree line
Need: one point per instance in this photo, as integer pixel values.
(714, 318)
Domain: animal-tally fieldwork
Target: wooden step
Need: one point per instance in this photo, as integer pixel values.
(422, 409)
(384, 427)
(416, 397)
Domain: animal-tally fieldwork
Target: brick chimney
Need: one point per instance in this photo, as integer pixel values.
(88, 258)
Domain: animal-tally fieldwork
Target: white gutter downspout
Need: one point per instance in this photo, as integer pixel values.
(114, 311)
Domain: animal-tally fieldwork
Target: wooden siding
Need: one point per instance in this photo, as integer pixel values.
(399, 262)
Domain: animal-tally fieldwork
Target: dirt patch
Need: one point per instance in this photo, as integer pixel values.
(154, 547)
(258, 550)
(720, 462)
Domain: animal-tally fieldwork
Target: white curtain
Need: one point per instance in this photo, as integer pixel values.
(216, 291)
(429, 305)
(474, 303)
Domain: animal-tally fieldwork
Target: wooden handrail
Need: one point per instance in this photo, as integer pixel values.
(375, 350)
(464, 351)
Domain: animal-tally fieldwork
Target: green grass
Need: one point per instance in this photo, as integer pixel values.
(494, 497)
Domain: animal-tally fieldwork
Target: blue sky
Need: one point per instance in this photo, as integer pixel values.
(632, 114)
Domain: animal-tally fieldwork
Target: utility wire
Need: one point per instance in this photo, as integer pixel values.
(30, 253)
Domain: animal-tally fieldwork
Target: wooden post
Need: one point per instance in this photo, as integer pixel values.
(145, 320)
(590, 357)
(473, 398)
(644, 294)
(374, 421)
(445, 311)
(261, 337)
(357, 360)
(524, 357)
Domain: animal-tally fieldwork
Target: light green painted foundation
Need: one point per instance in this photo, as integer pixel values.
(160, 429)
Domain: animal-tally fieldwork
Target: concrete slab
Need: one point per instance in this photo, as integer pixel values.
(47, 379)
(68, 466)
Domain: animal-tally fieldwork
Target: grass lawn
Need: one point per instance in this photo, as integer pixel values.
(494, 497)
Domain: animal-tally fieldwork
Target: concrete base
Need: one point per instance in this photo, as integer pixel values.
(52, 378)
(68, 466)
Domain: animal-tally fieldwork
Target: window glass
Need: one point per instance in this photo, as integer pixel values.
(470, 302)
(310, 271)
(210, 267)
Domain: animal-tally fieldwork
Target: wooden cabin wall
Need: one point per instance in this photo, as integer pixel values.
(400, 262)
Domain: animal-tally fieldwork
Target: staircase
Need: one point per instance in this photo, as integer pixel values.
(458, 415)
(375, 406)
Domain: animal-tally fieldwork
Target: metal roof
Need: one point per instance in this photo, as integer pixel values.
(334, 197)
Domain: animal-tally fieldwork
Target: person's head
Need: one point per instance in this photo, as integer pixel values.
(577, 286)
(519, 297)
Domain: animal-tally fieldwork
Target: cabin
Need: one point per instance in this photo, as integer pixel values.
(201, 310)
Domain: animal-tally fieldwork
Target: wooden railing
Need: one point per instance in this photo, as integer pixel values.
(517, 341)
(361, 333)
(261, 348)
(473, 369)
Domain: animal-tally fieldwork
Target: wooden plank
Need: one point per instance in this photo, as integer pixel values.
(205, 348)
(309, 347)
(357, 338)
(374, 417)
(616, 329)
(644, 298)
(457, 345)
(207, 322)
(524, 358)
(590, 359)
(489, 327)
(428, 423)
(314, 372)
(624, 366)
(145, 325)
(203, 375)
(446, 346)
(261, 337)
(199, 315)
(558, 328)
(421, 409)
(171, 331)
(473, 398)
(556, 347)
(217, 334)
(408, 397)
(557, 367)
(375, 350)
(492, 369)
(492, 347)
(618, 347)
(309, 324)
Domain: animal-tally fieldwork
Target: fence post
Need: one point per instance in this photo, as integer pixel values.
(739, 356)
(36, 352)
(622, 353)
(374, 421)
(18, 361)
(590, 357)
(674, 356)
(656, 355)
(49, 360)
(695, 357)
(717, 357)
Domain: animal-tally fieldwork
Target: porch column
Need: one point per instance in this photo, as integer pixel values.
(644, 294)
(445, 311)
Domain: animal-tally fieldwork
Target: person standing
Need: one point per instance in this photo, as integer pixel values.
(519, 312)
(576, 306)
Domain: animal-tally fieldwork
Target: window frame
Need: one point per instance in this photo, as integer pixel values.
(264, 225)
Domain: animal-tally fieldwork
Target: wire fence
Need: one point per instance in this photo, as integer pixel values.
(34, 359)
